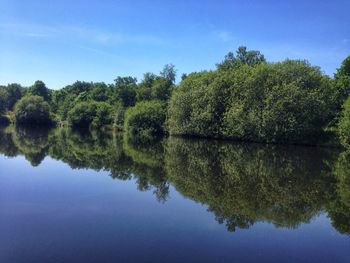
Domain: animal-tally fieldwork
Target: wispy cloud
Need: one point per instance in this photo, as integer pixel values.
(74, 32)
(224, 36)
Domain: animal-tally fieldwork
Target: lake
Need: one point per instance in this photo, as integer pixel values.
(100, 197)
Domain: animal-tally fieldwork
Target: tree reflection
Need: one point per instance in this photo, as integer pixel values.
(241, 184)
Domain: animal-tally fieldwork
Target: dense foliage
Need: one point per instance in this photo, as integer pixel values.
(288, 101)
(146, 119)
(32, 110)
(344, 124)
(245, 98)
(87, 114)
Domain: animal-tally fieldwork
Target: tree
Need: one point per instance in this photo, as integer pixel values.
(39, 89)
(288, 101)
(250, 58)
(342, 80)
(82, 114)
(100, 92)
(145, 120)
(3, 100)
(15, 93)
(169, 73)
(32, 110)
(125, 88)
(88, 114)
(103, 115)
(154, 87)
(344, 124)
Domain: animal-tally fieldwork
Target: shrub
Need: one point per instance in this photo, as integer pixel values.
(288, 101)
(32, 110)
(82, 114)
(145, 119)
(89, 113)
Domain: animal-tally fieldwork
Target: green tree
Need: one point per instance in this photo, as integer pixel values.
(39, 89)
(15, 93)
(342, 82)
(103, 115)
(288, 101)
(250, 58)
(344, 124)
(125, 88)
(82, 114)
(169, 73)
(32, 110)
(100, 92)
(145, 120)
(3, 100)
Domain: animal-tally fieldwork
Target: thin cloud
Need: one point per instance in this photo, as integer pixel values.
(84, 34)
(224, 36)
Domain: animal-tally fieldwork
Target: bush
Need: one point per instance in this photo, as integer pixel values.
(82, 114)
(146, 119)
(288, 101)
(32, 110)
(90, 113)
(197, 106)
(344, 124)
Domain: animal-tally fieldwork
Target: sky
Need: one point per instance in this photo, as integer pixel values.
(60, 42)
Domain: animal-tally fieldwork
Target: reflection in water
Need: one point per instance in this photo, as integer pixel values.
(240, 183)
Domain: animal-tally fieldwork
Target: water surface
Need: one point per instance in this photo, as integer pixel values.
(80, 197)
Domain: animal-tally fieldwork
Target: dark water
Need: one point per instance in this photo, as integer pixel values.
(73, 197)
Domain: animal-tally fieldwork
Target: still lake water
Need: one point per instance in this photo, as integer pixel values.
(73, 197)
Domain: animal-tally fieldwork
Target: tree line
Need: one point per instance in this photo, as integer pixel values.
(244, 98)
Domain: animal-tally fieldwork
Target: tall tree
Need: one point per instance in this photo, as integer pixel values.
(342, 79)
(15, 93)
(126, 90)
(169, 73)
(3, 100)
(243, 56)
(39, 89)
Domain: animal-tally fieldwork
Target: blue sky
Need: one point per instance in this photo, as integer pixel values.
(60, 42)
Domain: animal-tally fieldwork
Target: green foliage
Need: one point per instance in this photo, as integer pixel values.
(344, 124)
(32, 110)
(169, 73)
(100, 92)
(145, 120)
(103, 115)
(289, 101)
(154, 87)
(196, 107)
(250, 58)
(39, 89)
(119, 110)
(3, 100)
(14, 93)
(342, 80)
(90, 114)
(125, 88)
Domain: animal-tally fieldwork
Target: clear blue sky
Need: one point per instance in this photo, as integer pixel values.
(63, 41)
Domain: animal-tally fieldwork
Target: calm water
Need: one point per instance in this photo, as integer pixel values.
(72, 197)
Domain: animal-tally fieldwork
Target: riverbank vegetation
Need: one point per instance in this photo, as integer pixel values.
(244, 98)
